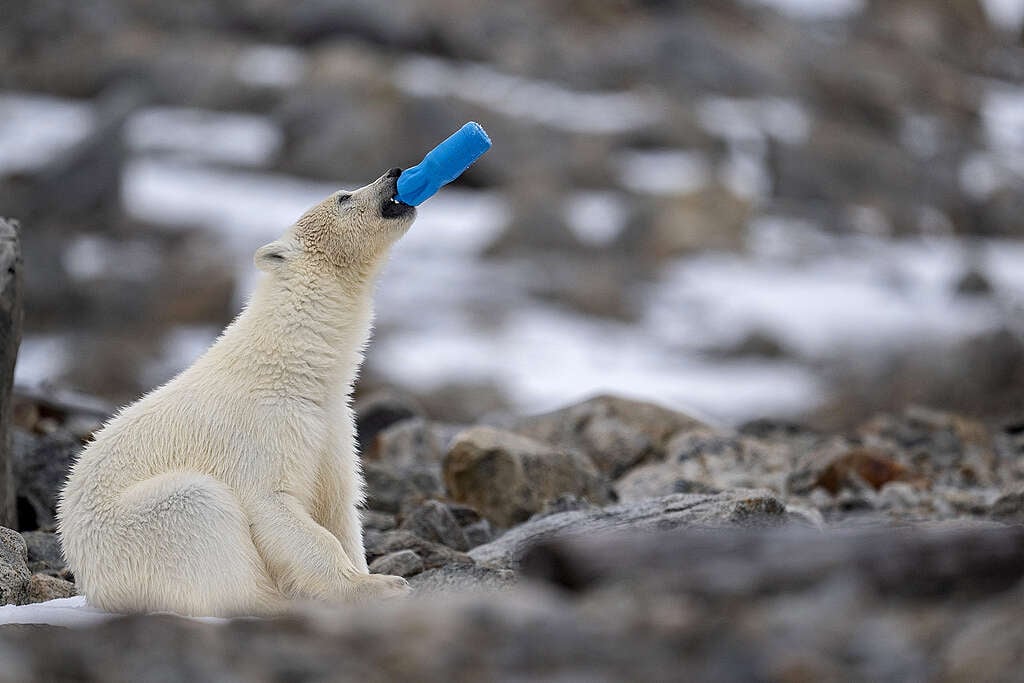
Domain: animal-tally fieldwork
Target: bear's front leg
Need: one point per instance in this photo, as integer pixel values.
(307, 560)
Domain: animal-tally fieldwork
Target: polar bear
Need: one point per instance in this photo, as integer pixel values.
(235, 487)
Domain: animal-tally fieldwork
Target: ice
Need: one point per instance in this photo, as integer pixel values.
(663, 171)
(196, 134)
(813, 9)
(541, 101)
(1006, 14)
(270, 66)
(35, 129)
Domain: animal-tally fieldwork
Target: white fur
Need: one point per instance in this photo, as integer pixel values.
(235, 487)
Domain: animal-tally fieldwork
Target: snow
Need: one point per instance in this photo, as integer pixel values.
(35, 129)
(662, 171)
(196, 134)
(41, 358)
(738, 119)
(69, 612)
(596, 218)
(540, 101)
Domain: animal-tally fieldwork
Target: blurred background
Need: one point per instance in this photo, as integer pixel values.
(801, 209)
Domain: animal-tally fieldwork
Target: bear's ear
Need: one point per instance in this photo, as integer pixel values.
(269, 257)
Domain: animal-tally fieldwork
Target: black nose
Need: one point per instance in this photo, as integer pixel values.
(394, 173)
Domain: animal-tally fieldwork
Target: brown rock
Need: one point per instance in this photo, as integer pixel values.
(508, 477)
(872, 466)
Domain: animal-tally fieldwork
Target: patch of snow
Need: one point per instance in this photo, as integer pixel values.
(270, 66)
(196, 134)
(752, 119)
(596, 218)
(36, 129)
(544, 102)
(745, 174)
(1002, 114)
(69, 612)
(41, 359)
(88, 257)
(663, 171)
(980, 175)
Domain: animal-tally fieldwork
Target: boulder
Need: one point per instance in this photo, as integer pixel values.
(508, 477)
(14, 573)
(615, 432)
(380, 410)
(737, 508)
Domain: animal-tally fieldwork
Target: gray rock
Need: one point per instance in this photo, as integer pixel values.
(508, 477)
(435, 522)
(392, 489)
(736, 508)
(460, 578)
(14, 571)
(400, 563)
(1009, 508)
(478, 533)
(377, 544)
(403, 464)
(380, 410)
(379, 521)
(913, 562)
(616, 433)
(41, 464)
(44, 553)
(655, 481)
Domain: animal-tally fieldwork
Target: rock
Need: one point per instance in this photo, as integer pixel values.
(41, 464)
(11, 315)
(478, 533)
(14, 571)
(380, 543)
(656, 481)
(380, 410)
(43, 587)
(508, 477)
(435, 522)
(460, 578)
(1009, 508)
(616, 433)
(399, 563)
(379, 521)
(392, 489)
(44, 553)
(403, 464)
(873, 467)
(730, 509)
(909, 563)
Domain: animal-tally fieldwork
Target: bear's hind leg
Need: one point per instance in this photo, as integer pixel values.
(185, 547)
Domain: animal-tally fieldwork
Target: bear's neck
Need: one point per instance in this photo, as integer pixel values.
(302, 341)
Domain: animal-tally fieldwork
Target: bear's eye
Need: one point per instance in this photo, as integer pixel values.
(342, 198)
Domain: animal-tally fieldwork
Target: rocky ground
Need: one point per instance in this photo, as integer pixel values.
(609, 540)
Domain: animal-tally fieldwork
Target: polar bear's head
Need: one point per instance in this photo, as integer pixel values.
(350, 231)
